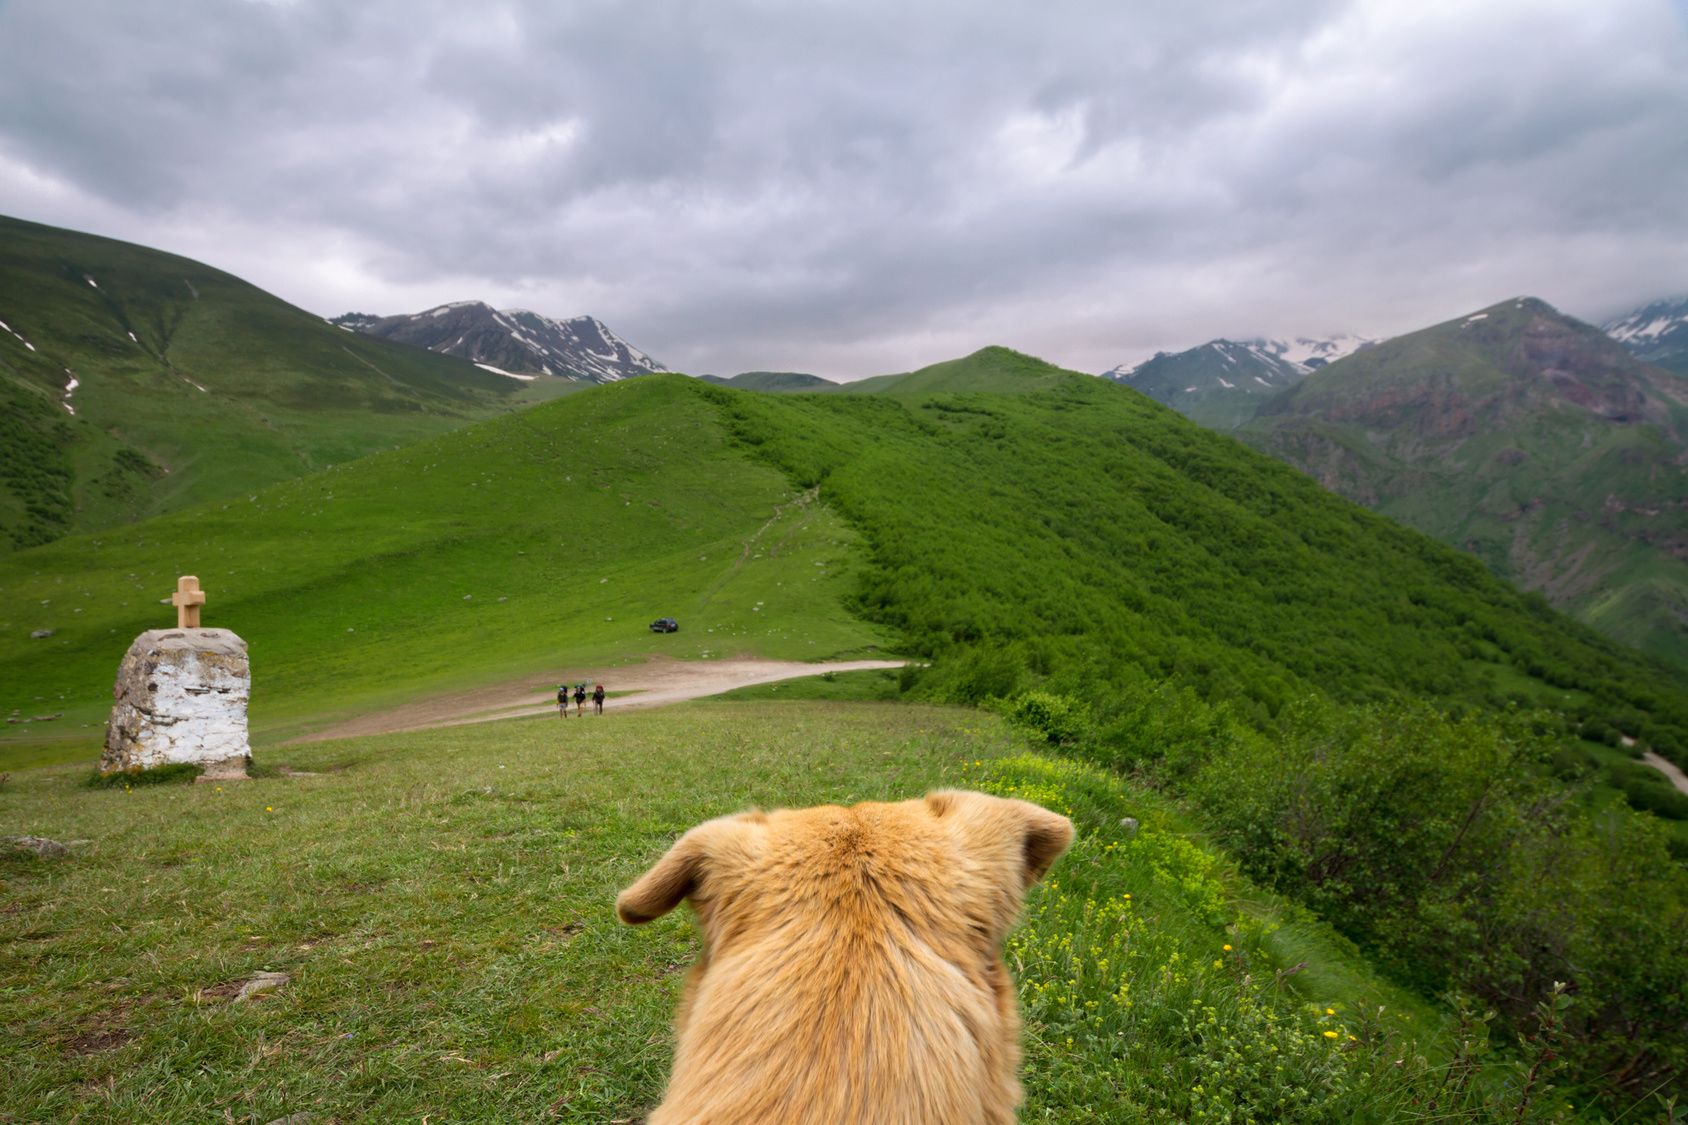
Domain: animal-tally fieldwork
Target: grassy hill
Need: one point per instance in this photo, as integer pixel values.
(190, 384)
(990, 371)
(1527, 438)
(506, 549)
(775, 381)
(1153, 597)
(1073, 530)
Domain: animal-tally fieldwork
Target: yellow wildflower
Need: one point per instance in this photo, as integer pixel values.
(1330, 1035)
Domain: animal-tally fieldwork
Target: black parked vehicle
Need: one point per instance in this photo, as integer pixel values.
(665, 625)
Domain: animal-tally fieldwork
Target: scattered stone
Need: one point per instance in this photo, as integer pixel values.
(40, 845)
(294, 1119)
(46, 718)
(181, 697)
(260, 984)
(40, 634)
(1128, 826)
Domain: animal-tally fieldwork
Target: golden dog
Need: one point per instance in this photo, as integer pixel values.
(852, 961)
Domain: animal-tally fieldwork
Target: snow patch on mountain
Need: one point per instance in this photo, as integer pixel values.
(501, 371)
(1655, 333)
(1272, 362)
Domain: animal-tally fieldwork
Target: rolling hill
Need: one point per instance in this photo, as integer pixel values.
(778, 382)
(1525, 437)
(1352, 703)
(1073, 525)
(134, 382)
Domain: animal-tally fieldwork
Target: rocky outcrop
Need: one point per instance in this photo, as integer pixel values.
(181, 697)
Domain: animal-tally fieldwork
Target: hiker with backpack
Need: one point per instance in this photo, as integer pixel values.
(598, 698)
(562, 701)
(580, 698)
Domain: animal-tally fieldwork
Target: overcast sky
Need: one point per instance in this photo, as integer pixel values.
(858, 187)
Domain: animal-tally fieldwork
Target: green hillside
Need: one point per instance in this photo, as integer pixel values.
(1529, 439)
(549, 536)
(1074, 529)
(189, 384)
(1145, 594)
(992, 371)
(775, 381)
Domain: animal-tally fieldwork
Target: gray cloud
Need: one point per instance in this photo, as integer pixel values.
(858, 187)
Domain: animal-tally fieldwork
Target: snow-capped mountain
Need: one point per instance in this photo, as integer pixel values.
(1312, 353)
(513, 342)
(1222, 382)
(1656, 333)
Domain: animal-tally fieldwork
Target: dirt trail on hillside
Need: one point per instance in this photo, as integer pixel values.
(1677, 777)
(655, 683)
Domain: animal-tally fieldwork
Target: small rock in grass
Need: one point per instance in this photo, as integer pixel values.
(260, 984)
(40, 634)
(1128, 826)
(40, 845)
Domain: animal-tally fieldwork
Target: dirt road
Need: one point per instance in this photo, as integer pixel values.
(655, 682)
(1677, 778)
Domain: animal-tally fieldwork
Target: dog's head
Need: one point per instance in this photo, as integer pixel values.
(955, 863)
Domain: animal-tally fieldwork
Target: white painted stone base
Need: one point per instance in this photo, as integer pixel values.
(181, 697)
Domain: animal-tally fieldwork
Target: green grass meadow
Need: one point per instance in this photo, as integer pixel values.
(443, 902)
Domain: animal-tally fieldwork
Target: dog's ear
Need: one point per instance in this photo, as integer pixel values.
(1048, 836)
(680, 873)
(1043, 837)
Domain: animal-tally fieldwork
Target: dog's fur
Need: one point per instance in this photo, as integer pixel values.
(852, 964)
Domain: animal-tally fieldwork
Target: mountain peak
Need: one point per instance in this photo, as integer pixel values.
(1222, 382)
(1655, 333)
(517, 342)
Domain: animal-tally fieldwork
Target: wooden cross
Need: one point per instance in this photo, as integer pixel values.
(187, 599)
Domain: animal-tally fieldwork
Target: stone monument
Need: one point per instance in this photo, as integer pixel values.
(181, 697)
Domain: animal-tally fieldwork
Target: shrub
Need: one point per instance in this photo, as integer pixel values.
(1060, 719)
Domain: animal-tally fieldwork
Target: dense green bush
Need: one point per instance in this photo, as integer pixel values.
(1058, 719)
(1444, 848)
(1149, 996)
